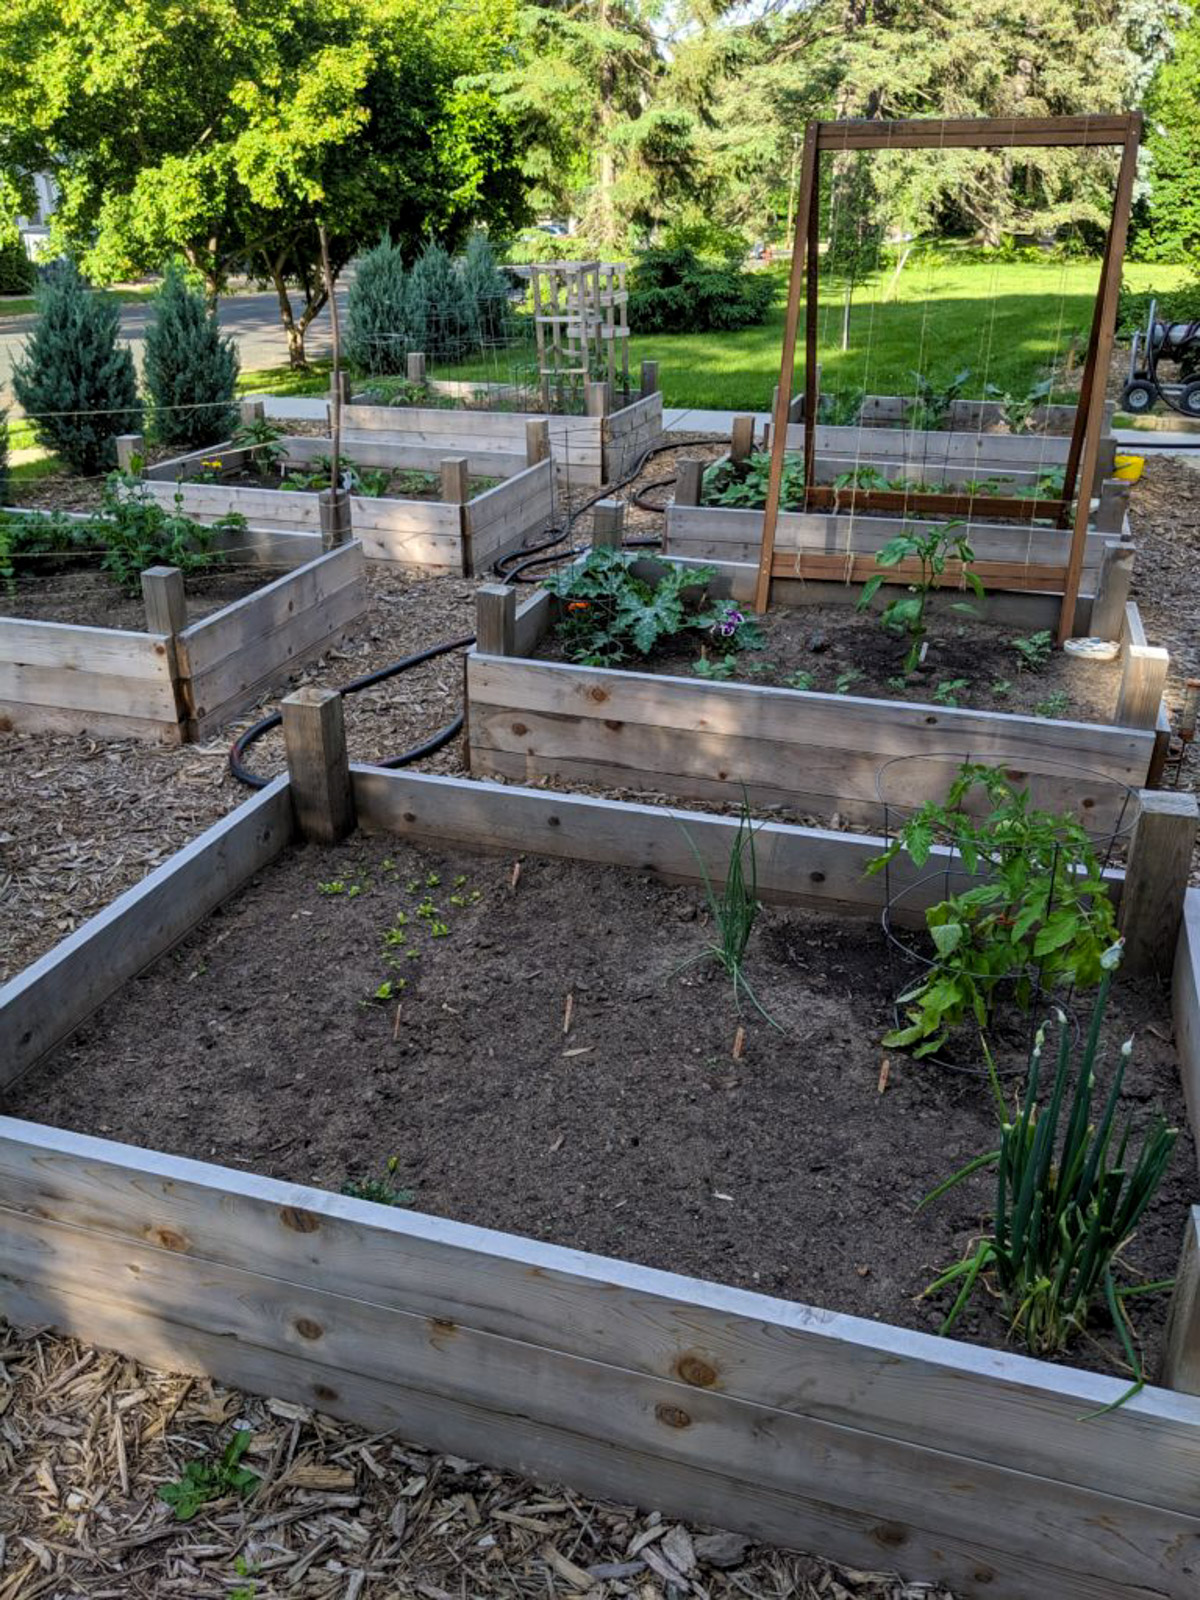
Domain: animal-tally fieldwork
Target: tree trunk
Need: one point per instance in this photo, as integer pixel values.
(297, 359)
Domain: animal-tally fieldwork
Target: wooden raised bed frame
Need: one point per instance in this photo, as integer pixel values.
(177, 682)
(814, 753)
(880, 1446)
(594, 449)
(456, 536)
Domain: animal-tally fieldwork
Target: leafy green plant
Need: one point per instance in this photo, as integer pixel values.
(845, 681)
(138, 533)
(745, 483)
(1016, 411)
(41, 535)
(930, 407)
(931, 550)
(1056, 704)
(203, 1481)
(734, 910)
(862, 478)
(1037, 906)
(948, 690)
(1048, 485)
(841, 408)
(1034, 650)
(800, 680)
(609, 613)
(382, 1191)
(721, 668)
(1069, 1196)
(264, 439)
(1002, 688)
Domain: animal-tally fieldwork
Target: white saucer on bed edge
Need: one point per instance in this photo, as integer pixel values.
(1093, 649)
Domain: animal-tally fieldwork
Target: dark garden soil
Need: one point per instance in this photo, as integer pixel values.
(406, 483)
(90, 598)
(834, 650)
(553, 1067)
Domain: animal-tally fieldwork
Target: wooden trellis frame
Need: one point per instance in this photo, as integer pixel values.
(999, 133)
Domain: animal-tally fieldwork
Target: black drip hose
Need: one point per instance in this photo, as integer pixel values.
(435, 742)
(511, 569)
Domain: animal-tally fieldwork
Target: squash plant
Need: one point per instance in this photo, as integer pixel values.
(1038, 913)
(610, 613)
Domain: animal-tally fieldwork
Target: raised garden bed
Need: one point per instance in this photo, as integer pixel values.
(461, 531)
(587, 451)
(811, 1427)
(814, 751)
(182, 660)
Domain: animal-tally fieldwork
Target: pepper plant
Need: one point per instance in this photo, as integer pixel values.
(931, 549)
(1037, 910)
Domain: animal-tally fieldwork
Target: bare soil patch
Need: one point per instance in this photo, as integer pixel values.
(89, 597)
(627, 1127)
(834, 650)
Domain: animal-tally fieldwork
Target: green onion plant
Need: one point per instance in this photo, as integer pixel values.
(1070, 1193)
(733, 909)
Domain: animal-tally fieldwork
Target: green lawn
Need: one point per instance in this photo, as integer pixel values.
(1006, 322)
(26, 305)
(284, 381)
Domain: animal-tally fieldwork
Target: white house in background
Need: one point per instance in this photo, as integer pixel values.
(35, 230)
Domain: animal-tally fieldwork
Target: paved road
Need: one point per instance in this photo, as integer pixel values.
(253, 319)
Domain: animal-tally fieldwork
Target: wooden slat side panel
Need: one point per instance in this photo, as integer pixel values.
(697, 529)
(629, 432)
(809, 751)
(208, 642)
(986, 1405)
(244, 676)
(418, 535)
(1185, 1008)
(997, 451)
(270, 508)
(48, 1001)
(497, 429)
(980, 1511)
(22, 716)
(101, 680)
(282, 548)
(501, 519)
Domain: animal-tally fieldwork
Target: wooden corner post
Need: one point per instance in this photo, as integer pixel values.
(496, 619)
(130, 446)
(1156, 879)
(1085, 445)
(608, 524)
(807, 227)
(1181, 1358)
(314, 735)
(166, 613)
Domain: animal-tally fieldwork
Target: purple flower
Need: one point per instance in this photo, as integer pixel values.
(728, 624)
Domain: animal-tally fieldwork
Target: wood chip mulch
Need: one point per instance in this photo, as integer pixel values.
(87, 1439)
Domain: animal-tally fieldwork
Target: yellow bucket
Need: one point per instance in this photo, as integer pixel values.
(1128, 467)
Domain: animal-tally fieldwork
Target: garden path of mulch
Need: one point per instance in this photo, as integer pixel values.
(87, 1439)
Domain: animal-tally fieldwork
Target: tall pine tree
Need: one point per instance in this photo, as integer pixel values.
(74, 379)
(376, 337)
(190, 367)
